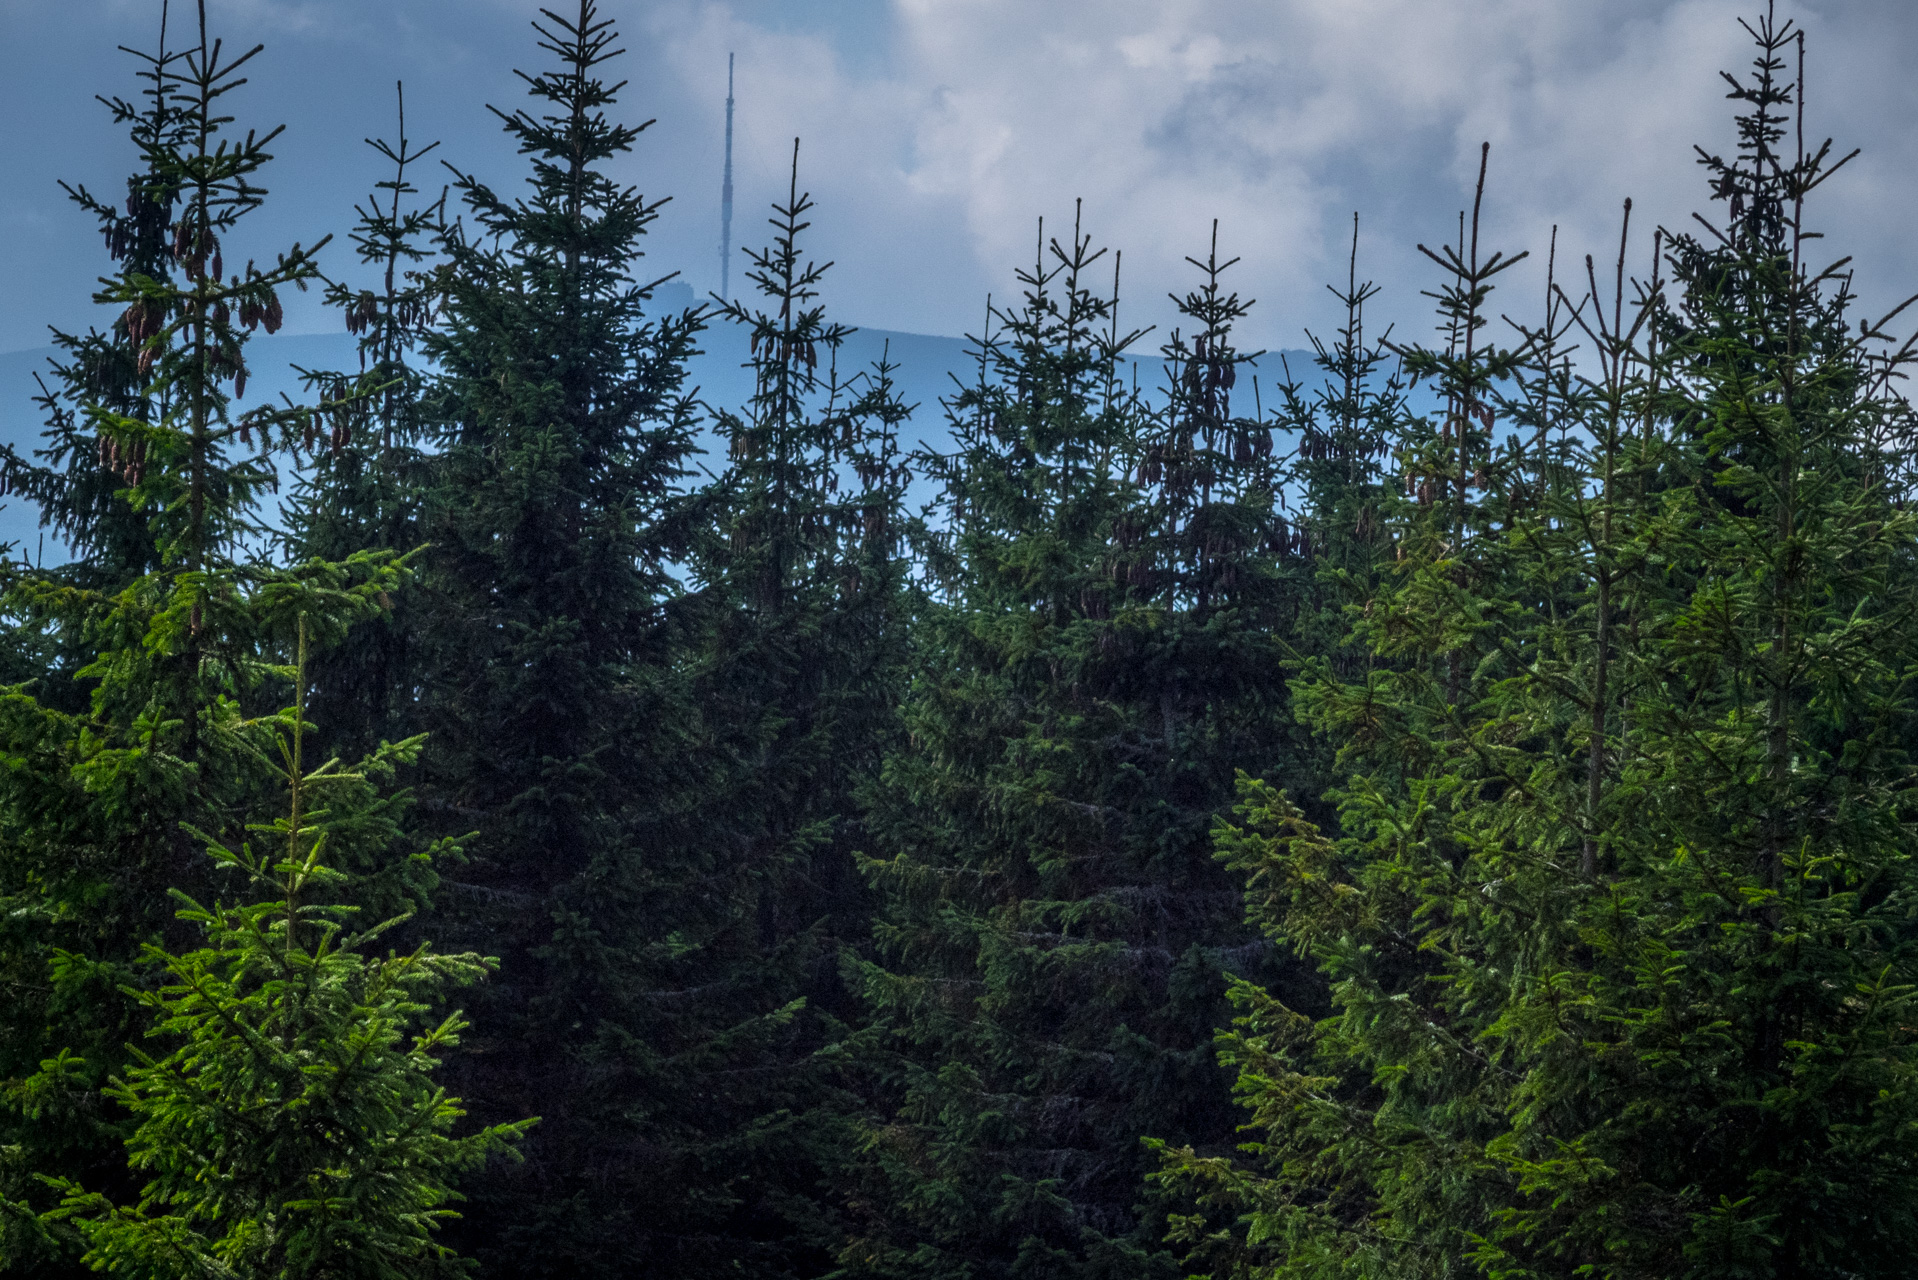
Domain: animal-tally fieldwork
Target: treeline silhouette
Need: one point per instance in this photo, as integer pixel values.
(1234, 830)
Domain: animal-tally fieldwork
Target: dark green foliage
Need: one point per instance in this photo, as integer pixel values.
(1618, 926)
(563, 432)
(363, 490)
(1099, 651)
(800, 619)
(862, 896)
(654, 940)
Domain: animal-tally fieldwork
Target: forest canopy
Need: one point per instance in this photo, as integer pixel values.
(503, 813)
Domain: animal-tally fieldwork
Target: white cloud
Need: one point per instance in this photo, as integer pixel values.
(1278, 118)
(936, 131)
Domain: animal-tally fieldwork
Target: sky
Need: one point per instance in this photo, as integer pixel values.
(936, 133)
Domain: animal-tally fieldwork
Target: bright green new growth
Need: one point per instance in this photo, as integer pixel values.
(296, 1128)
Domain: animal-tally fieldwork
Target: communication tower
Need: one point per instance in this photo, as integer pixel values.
(726, 196)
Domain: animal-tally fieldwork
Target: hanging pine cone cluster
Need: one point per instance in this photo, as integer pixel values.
(1342, 446)
(1134, 572)
(144, 220)
(785, 349)
(1458, 423)
(409, 312)
(363, 312)
(1154, 465)
(1184, 467)
(1250, 442)
(875, 472)
(339, 408)
(1209, 378)
(1210, 374)
(128, 461)
(339, 433)
(144, 321)
(263, 313)
(195, 248)
(414, 312)
(745, 444)
(224, 361)
(1282, 538)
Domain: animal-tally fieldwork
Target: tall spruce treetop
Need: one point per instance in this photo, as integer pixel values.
(106, 766)
(564, 433)
(364, 490)
(815, 470)
(545, 652)
(716, 1114)
(803, 587)
(1344, 429)
(81, 499)
(1099, 653)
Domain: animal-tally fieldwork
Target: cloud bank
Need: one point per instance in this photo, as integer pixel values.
(937, 132)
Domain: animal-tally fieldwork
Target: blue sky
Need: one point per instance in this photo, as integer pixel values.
(937, 131)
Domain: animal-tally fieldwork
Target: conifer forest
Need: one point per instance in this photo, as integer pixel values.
(1453, 813)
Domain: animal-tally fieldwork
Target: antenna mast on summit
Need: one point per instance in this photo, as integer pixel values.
(726, 197)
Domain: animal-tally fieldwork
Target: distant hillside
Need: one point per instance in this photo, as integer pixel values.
(927, 367)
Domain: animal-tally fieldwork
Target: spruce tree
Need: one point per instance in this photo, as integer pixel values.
(106, 764)
(634, 1008)
(563, 429)
(80, 498)
(1334, 485)
(1617, 920)
(800, 608)
(1097, 653)
(363, 492)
